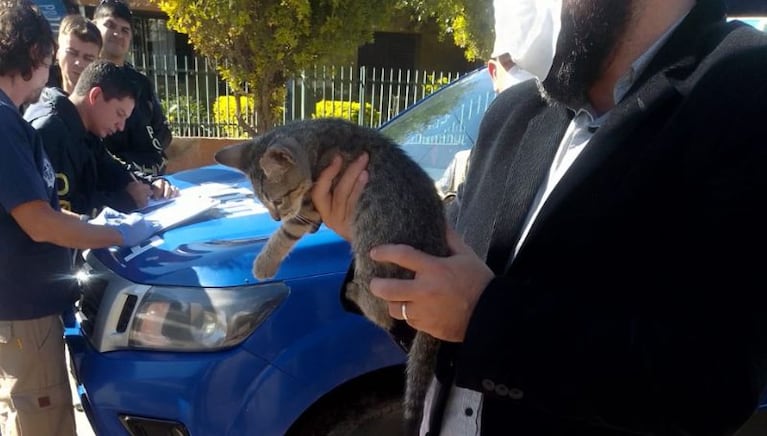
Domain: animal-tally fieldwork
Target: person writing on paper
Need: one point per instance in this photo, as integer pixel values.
(37, 283)
(522, 32)
(603, 278)
(87, 175)
(71, 127)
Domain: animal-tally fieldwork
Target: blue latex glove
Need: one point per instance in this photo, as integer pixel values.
(132, 227)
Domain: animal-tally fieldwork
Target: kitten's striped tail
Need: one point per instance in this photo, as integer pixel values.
(420, 371)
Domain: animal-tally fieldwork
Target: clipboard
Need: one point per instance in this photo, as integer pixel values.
(178, 210)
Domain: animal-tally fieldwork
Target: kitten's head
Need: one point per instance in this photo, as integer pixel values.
(278, 168)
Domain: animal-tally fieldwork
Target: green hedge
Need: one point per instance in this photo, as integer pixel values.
(346, 110)
(185, 112)
(224, 110)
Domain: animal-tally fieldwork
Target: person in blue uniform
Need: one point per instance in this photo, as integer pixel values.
(36, 279)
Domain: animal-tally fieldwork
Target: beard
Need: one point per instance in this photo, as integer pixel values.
(590, 33)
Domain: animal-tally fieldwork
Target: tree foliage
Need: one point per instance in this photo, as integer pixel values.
(469, 22)
(258, 44)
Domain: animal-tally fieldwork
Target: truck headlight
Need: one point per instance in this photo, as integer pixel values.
(201, 319)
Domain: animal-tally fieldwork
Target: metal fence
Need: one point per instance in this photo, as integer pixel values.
(198, 102)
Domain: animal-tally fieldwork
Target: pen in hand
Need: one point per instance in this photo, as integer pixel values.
(139, 191)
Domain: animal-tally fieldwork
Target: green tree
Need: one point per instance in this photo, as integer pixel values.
(468, 22)
(258, 44)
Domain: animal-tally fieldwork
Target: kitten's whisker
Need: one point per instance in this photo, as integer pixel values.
(315, 225)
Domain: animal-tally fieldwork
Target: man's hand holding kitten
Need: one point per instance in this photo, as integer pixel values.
(441, 298)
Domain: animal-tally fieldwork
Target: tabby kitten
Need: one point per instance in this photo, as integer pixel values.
(399, 205)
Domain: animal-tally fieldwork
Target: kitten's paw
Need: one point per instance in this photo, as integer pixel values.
(264, 268)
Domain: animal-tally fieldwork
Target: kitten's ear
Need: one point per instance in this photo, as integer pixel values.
(277, 160)
(231, 155)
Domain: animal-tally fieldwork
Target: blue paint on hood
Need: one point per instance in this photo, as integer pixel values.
(217, 247)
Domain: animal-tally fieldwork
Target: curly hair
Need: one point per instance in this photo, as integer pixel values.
(26, 40)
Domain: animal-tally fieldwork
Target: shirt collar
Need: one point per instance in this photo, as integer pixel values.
(624, 84)
(627, 80)
(5, 99)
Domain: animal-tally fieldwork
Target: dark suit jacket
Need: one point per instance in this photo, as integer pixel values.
(636, 304)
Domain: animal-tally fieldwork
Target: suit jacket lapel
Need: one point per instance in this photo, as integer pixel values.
(662, 81)
(676, 60)
(523, 179)
(613, 137)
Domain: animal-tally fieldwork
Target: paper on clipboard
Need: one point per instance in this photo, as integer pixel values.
(217, 191)
(179, 210)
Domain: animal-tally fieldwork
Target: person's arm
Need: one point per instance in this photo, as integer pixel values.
(160, 126)
(161, 188)
(114, 174)
(156, 132)
(116, 180)
(442, 296)
(142, 144)
(62, 154)
(44, 224)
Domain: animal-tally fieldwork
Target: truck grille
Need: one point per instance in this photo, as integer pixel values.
(107, 306)
(93, 292)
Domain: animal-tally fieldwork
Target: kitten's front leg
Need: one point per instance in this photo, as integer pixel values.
(277, 248)
(282, 241)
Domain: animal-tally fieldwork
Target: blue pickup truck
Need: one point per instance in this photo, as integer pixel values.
(176, 337)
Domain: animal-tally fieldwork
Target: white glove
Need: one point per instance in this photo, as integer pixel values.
(132, 227)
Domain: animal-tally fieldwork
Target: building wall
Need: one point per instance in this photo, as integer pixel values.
(185, 153)
(443, 55)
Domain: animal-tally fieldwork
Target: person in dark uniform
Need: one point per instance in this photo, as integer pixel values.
(146, 134)
(88, 176)
(72, 127)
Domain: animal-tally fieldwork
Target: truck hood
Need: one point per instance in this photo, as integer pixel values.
(213, 238)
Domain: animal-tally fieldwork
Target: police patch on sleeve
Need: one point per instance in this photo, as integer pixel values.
(48, 174)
